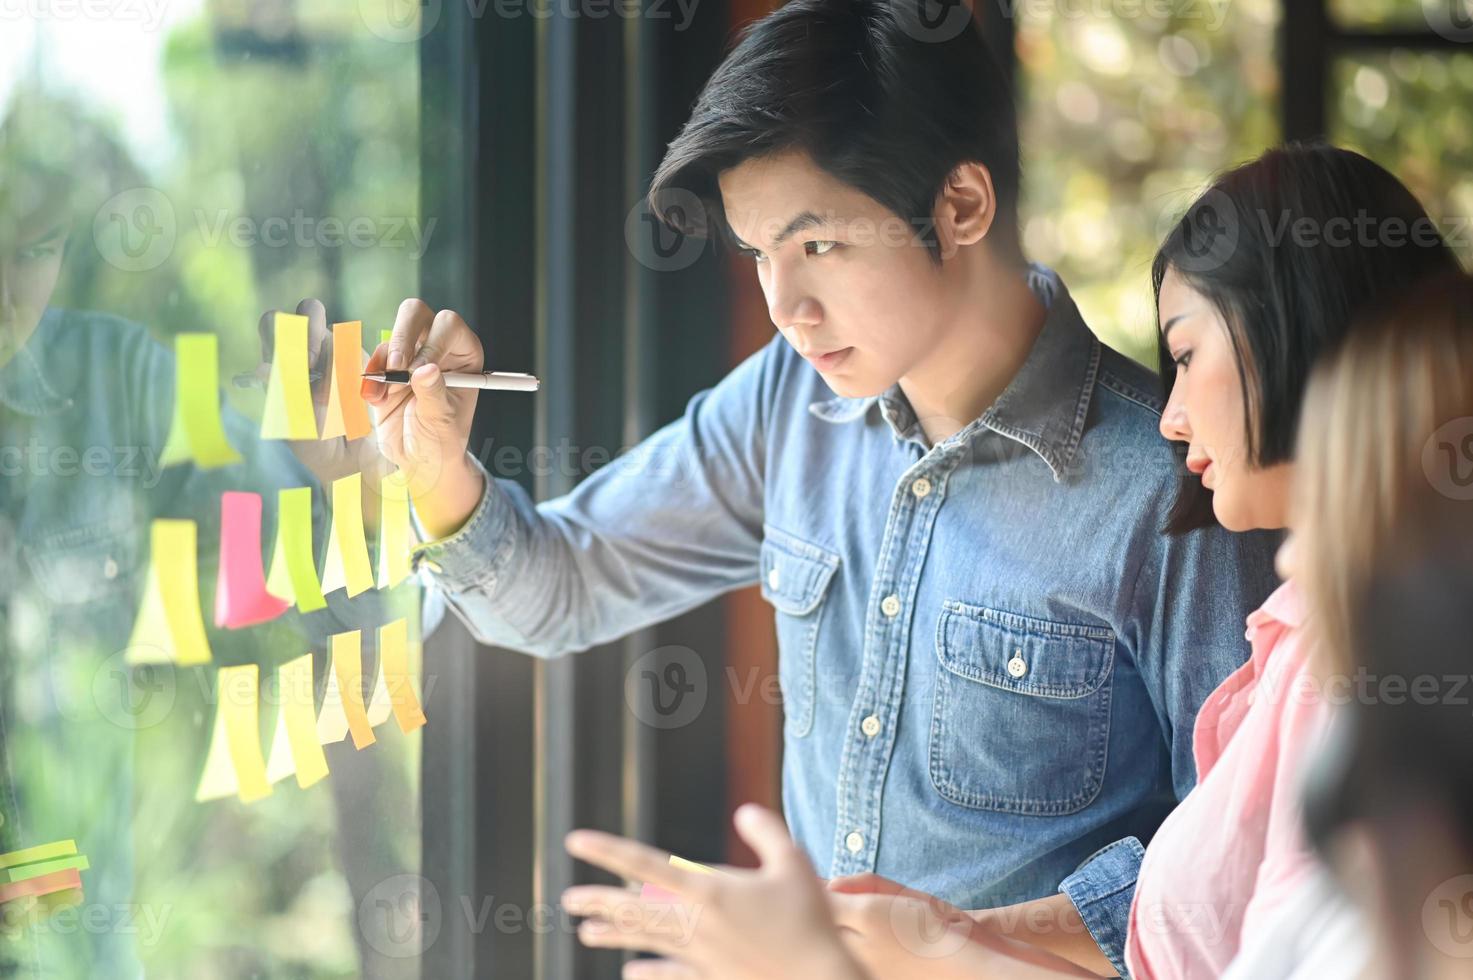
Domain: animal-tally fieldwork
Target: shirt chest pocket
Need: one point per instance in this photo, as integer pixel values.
(1021, 718)
(795, 578)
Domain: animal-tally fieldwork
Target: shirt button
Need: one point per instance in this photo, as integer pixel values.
(1017, 666)
(890, 605)
(870, 726)
(855, 842)
(109, 569)
(921, 487)
(773, 578)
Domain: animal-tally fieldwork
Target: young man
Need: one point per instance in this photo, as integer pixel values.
(949, 490)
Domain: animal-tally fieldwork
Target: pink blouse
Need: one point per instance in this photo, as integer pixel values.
(1233, 852)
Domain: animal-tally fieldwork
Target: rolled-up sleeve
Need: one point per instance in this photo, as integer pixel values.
(1102, 889)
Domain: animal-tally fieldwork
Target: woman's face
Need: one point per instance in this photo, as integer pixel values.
(1207, 412)
(31, 250)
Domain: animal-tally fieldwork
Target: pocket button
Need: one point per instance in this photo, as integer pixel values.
(1017, 667)
(773, 579)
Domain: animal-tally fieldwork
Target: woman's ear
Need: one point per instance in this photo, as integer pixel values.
(966, 206)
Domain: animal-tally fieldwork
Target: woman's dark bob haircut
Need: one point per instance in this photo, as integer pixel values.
(1290, 248)
(877, 95)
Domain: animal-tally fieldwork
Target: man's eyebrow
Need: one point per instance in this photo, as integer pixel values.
(802, 221)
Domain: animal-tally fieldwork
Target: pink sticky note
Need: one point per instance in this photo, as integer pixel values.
(241, 598)
(654, 893)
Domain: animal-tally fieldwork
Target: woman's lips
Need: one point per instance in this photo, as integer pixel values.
(829, 361)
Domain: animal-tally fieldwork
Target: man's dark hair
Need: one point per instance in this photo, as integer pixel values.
(1289, 249)
(873, 94)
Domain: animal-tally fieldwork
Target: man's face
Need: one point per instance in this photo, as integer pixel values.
(31, 248)
(848, 283)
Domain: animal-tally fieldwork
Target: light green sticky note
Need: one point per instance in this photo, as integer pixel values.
(41, 852)
(293, 574)
(384, 336)
(25, 872)
(197, 433)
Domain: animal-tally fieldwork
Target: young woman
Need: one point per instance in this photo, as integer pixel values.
(1262, 278)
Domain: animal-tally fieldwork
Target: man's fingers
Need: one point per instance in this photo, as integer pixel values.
(603, 934)
(632, 860)
(626, 910)
(450, 338)
(767, 835)
(866, 884)
(659, 970)
(410, 327)
(384, 398)
(431, 394)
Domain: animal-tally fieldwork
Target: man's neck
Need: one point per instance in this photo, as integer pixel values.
(980, 355)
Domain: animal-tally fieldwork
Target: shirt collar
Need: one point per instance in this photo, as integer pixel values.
(1045, 405)
(38, 380)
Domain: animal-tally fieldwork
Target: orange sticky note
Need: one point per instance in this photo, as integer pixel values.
(347, 665)
(197, 432)
(234, 763)
(170, 627)
(293, 575)
(295, 748)
(347, 412)
(289, 413)
(241, 598)
(395, 534)
(347, 548)
(49, 884)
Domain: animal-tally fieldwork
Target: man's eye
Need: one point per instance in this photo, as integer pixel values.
(819, 247)
(35, 253)
(751, 253)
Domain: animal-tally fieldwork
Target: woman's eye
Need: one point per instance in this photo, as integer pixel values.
(36, 252)
(751, 253)
(1182, 360)
(819, 247)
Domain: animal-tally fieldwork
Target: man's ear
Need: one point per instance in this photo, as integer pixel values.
(965, 207)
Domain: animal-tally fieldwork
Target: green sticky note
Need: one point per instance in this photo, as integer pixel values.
(41, 852)
(293, 574)
(25, 872)
(384, 336)
(197, 433)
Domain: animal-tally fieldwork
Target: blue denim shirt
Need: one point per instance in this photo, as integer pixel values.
(990, 656)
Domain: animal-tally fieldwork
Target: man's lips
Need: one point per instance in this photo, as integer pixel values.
(827, 359)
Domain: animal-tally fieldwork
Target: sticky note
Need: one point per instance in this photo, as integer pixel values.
(347, 666)
(36, 869)
(395, 536)
(293, 575)
(332, 720)
(347, 548)
(197, 433)
(41, 852)
(295, 748)
(234, 763)
(47, 884)
(170, 627)
(241, 598)
(347, 412)
(385, 335)
(684, 865)
(393, 656)
(654, 893)
(289, 413)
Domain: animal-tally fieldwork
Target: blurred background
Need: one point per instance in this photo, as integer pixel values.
(234, 156)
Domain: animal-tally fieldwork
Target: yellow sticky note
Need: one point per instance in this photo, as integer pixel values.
(293, 574)
(347, 548)
(347, 665)
(234, 763)
(393, 656)
(295, 748)
(680, 862)
(197, 433)
(289, 413)
(332, 720)
(347, 412)
(395, 533)
(41, 852)
(170, 627)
